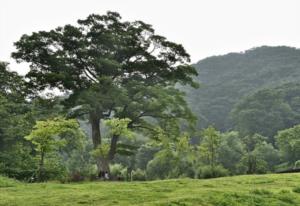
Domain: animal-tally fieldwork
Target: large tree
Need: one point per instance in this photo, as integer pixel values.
(110, 68)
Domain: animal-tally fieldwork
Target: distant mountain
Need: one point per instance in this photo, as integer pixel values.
(227, 79)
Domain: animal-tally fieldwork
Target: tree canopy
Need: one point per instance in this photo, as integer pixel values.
(226, 79)
(110, 68)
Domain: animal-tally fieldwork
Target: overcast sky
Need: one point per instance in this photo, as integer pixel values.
(203, 27)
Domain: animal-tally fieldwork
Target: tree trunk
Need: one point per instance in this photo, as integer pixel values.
(41, 167)
(102, 163)
(113, 147)
(96, 135)
(103, 168)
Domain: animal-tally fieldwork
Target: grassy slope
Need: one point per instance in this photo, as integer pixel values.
(263, 190)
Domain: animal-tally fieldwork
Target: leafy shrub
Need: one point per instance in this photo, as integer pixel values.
(145, 154)
(79, 164)
(18, 163)
(139, 175)
(209, 172)
(7, 182)
(55, 169)
(161, 166)
(297, 164)
(117, 171)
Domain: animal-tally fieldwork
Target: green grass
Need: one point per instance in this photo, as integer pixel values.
(256, 190)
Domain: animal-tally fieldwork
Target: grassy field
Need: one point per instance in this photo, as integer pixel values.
(259, 190)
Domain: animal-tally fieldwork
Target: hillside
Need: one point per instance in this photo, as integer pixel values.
(264, 190)
(268, 110)
(227, 79)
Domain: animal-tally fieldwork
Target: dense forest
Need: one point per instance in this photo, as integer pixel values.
(105, 99)
(226, 80)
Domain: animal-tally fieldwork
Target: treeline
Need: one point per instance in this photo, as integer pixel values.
(40, 142)
(32, 128)
(217, 154)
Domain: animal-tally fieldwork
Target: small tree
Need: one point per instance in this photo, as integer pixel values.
(176, 158)
(231, 151)
(46, 138)
(210, 144)
(288, 142)
(253, 160)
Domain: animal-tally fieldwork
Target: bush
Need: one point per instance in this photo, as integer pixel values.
(7, 182)
(138, 175)
(79, 165)
(117, 171)
(162, 166)
(209, 172)
(55, 169)
(297, 164)
(17, 162)
(144, 155)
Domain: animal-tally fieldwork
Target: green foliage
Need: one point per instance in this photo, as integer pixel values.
(119, 127)
(117, 170)
(212, 172)
(116, 128)
(297, 164)
(101, 151)
(209, 147)
(125, 76)
(54, 168)
(145, 154)
(111, 71)
(231, 151)
(14, 109)
(251, 164)
(12, 85)
(18, 162)
(45, 133)
(268, 111)
(138, 175)
(50, 136)
(288, 142)
(226, 79)
(161, 166)
(175, 159)
(259, 156)
(7, 182)
(266, 152)
(262, 190)
(79, 162)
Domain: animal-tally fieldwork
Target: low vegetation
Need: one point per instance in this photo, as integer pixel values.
(262, 190)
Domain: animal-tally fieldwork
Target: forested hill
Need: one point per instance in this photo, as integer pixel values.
(226, 79)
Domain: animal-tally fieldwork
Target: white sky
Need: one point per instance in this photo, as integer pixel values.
(203, 27)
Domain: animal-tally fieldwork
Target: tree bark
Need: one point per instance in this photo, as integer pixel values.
(103, 167)
(96, 135)
(113, 147)
(102, 162)
(41, 167)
